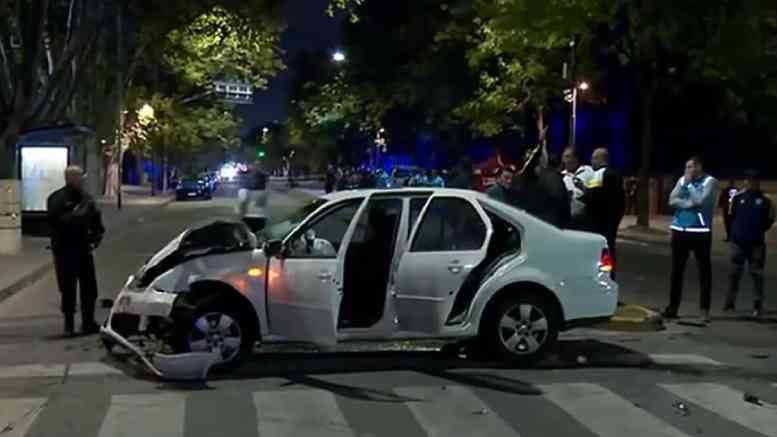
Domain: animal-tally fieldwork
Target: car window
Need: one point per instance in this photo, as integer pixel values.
(416, 206)
(278, 228)
(323, 237)
(450, 224)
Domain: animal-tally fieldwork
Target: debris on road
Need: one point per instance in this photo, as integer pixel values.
(760, 356)
(482, 412)
(752, 399)
(682, 409)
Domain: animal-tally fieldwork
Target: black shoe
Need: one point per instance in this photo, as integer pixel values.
(90, 328)
(669, 313)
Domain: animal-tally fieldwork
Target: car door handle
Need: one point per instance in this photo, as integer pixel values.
(454, 268)
(324, 276)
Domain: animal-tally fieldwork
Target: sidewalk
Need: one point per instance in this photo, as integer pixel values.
(659, 233)
(21, 270)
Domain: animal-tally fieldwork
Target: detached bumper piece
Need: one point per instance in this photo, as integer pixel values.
(133, 331)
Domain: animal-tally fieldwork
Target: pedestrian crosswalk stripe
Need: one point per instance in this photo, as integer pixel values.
(300, 413)
(729, 403)
(453, 411)
(84, 369)
(677, 359)
(17, 415)
(33, 371)
(144, 415)
(605, 413)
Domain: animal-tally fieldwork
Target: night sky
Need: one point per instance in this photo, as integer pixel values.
(309, 28)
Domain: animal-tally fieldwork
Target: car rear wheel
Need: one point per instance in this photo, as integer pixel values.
(217, 325)
(521, 329)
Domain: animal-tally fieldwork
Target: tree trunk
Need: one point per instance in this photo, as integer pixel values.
(647, 99)
(8, 156)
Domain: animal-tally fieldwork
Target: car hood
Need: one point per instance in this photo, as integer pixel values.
(218, 237)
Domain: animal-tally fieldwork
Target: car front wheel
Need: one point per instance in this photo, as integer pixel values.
(218, 326)
(521, 329)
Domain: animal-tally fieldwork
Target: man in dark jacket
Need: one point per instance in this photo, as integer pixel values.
(604, 199)
(501, 190)
(752, 214)
(76, 230)
(540, 191)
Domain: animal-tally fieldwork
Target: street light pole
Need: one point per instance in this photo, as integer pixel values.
(573, 129)
(120, 87)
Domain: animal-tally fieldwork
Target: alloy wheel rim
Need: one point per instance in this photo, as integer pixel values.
(523, 329)
(216, 332)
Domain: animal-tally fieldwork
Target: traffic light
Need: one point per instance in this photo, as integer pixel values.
(260, 153)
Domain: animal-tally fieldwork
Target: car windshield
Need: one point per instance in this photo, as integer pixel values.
(278, 229)
(189, 183)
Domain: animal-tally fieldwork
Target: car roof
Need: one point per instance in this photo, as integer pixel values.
(506, 210)
(352, 194)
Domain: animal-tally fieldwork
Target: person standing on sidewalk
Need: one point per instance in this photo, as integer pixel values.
(726, 196)
(604, 199)
(752, 214)
(693, 198)
(76, 231)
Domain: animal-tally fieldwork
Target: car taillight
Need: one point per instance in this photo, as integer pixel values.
(606, 263)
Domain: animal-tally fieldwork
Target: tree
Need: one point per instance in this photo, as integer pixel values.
(223, 43)
(43, 48)
(655, 41)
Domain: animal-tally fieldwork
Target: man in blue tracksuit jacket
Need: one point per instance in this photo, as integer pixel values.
(752, 214)
(693, 199)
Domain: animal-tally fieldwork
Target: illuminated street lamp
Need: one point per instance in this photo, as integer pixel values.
(338, 56)
(582, 86)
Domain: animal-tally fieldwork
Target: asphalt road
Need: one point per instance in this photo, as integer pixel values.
(684, 381)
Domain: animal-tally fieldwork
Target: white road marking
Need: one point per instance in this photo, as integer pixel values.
(17, 415)
(33, 371)
(454, 411)
(605, 413)
(673, 359)
(96, 368)
(729, 403)
(300, 413)
(145, 415)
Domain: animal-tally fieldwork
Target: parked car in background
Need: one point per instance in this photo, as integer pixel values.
(192, 188)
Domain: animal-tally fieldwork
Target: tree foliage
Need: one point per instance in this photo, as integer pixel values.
(221, 43)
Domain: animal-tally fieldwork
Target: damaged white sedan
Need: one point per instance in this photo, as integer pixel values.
(365, 265)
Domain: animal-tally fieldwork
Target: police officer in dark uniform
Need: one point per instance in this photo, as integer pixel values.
(752, 214)
(76, 230)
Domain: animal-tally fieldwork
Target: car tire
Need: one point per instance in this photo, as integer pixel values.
(521, 329)
(215, 311)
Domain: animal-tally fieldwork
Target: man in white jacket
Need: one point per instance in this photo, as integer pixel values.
(576, 175)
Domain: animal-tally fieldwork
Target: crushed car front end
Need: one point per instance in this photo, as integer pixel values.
(153, 307)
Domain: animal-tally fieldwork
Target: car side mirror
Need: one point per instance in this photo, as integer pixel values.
(274, 248)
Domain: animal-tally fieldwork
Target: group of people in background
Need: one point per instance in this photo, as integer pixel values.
(350, 178)
(595, 198)
(748, 214)
(568, 194)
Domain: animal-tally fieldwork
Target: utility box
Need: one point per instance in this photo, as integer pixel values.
(10, 217)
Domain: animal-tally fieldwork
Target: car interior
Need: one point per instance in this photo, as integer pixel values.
(505, 242)
(368, 263)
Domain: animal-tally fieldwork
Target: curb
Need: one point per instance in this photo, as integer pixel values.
(635, 318)
(41, 271)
